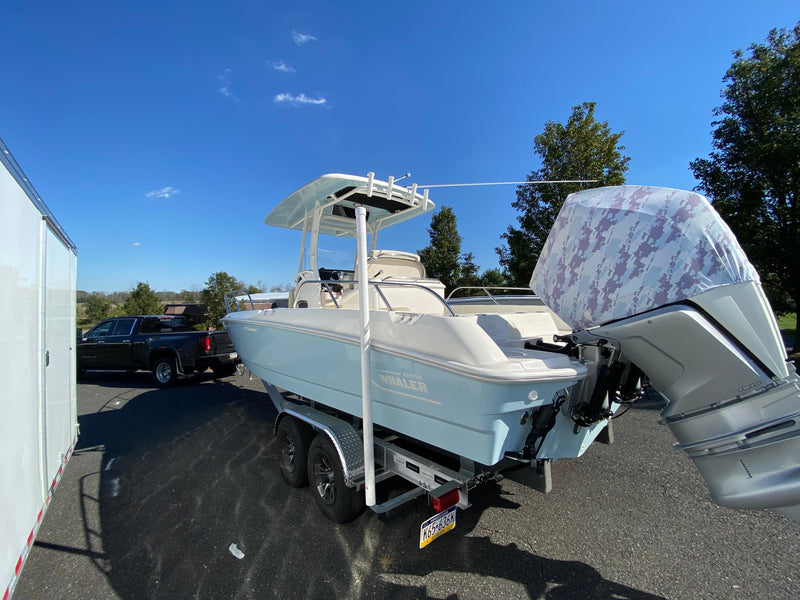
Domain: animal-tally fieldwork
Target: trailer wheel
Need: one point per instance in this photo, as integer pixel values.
(293, 439)
(337, 501)
(164, 373)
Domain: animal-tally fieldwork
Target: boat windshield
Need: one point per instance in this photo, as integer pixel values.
(343, 260)
(337, 253)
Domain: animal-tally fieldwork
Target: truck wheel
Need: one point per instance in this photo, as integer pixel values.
(224, 370)
(164, 372)
(293, 439)
(337, 501)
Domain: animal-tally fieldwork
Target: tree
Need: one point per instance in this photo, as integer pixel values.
(753, 174)
(468, 271)
(117, 297)
(442, 257)
(190, 296)
(218, 285)
(583, 149)
(97, 308)
(493, 278)
(142, 301)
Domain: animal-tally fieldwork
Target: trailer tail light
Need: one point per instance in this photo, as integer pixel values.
(205, 343)
(444, 501)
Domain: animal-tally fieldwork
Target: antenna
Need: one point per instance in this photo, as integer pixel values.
(403, 177)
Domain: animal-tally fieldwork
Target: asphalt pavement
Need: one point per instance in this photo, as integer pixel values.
(164, 481)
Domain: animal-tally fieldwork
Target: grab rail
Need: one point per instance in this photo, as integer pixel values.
(236, 300)
(377, 284)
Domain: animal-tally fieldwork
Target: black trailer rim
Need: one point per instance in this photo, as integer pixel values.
(325, 480)
(288, 451)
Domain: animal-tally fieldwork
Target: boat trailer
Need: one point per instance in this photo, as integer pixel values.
(337, 473)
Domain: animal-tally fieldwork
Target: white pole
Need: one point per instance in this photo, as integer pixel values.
(370, 183)
(366, 399)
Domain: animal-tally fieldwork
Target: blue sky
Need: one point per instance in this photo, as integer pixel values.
(162, 133)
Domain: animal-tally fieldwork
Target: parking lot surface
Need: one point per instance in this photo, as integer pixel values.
(164, 481)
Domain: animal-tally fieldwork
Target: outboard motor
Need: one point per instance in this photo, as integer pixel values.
(657, 274)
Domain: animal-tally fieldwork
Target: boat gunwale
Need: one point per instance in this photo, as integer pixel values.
(475, 372)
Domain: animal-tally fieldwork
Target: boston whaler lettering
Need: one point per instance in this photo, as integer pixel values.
(376, 375)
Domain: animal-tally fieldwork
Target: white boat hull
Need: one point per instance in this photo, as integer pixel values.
(461, 393)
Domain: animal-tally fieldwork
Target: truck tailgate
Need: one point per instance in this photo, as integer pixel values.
(221, 342)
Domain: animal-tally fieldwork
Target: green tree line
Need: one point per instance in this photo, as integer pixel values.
(142, 300)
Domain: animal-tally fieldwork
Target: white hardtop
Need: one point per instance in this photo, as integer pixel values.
(332, 200)
(327, 205)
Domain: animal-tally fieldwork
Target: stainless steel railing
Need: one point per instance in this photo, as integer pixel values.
(377, 285)
(487, 293)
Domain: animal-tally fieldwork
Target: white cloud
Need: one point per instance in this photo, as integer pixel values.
(225, 90)
(299, 99)
(279, 65)
(302, 38)
(164, 192)
(136, 244)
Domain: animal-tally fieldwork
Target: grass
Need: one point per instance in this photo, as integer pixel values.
(786, 323)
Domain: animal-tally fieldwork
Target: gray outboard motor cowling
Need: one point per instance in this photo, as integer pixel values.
(658, 272)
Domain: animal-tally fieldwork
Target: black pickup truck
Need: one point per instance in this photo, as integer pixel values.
(165, 345)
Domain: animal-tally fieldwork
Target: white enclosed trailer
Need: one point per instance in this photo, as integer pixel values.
(38, 413)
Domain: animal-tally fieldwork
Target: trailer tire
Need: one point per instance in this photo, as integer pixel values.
(336, 500)
(164, 372)
(293, 438)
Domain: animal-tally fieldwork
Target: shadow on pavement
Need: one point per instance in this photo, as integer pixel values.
(139, 379)
(190, 470)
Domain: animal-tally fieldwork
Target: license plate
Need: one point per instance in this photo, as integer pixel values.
(437, 525)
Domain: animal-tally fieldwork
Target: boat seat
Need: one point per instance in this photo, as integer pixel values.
(514, 328)
(326, 299)
(382, 264)
(402, 298)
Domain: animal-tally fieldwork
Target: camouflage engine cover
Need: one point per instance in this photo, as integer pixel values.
(615, 252)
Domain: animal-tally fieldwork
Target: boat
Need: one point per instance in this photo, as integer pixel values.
(456, 382)
(633, 282)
